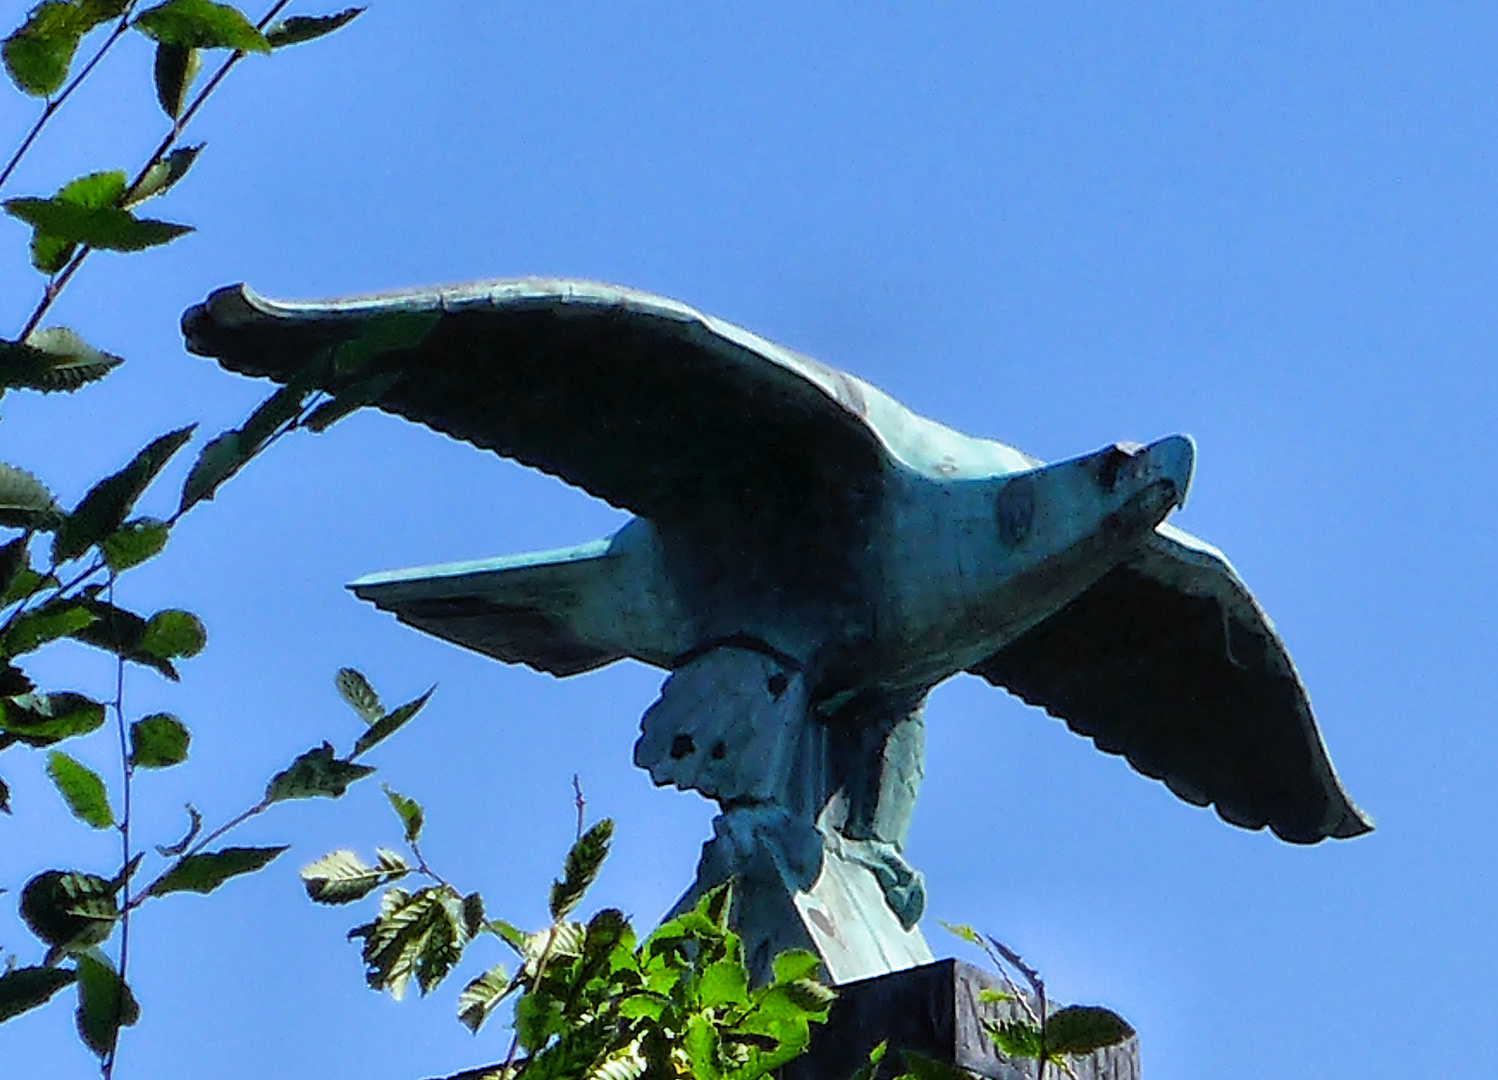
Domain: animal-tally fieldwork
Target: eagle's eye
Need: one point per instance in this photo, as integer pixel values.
(1117, 462)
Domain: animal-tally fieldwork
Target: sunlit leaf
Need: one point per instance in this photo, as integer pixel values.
(37, 627)
(134, 542)
(69, 910)
(317, 773)
(164, 174)
(109, 502)
(205, 872)
(201, 24)
(158, 741)
(25, 502)
(172, 634)
(415, 936)
(341, 877)
(43, 719)
(409, 811)
(387, 726)
(796, 964)
(300, 28)
(354, 688)
(922, 1067)
(59, 223)
(724, 982)
(481, 996)
(81, 788)
(25, 988)
(51, 360)
(1081, 1029)
(581, 867)
(38, 54)
(105, 1003)
(1016, 1038)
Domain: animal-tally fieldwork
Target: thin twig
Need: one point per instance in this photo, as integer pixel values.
(56, 103)
(106, 1066)
(582, 803)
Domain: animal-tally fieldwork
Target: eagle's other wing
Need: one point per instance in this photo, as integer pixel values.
(1169, 661)
(644, 402)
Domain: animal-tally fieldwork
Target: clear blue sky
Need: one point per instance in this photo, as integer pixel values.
(1271, 226)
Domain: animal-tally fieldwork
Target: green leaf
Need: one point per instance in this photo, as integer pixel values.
(583, 862)
(201, 24)
(1081, 1029)
(122, 632)
(701, 1045)
(59, 224)
(37, 55)
(27, 584)
(1017, 1038)
(987, 996)
(316, 773)
(25, 988)
(42, 719)
(104, 509)
(53, 620)
(868, 1068)
(69, 910)
(25, 502)
(105, 1003)
(409, 811)
(300, 28)
(162, 176)
(416, 936)
(134, 543)
(481, 996)
(963, 931)
(922, 1067)
(217, 462)
(387, 726)
(175, 69)
(341, 877)
(81, 788)
(387, 332)
(51, 360)
(171, 634)
(158, 741)
(354, 688)
(723, 982)
(207, 871)
(14, 557)
(796, 964)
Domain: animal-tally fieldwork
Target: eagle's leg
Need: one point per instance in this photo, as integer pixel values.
(877, 751)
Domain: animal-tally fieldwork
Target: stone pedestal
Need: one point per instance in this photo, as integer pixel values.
(933, 1010)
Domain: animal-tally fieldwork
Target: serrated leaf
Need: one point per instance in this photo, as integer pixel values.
(63, 224)
(205, 872)
(341, 877)
(481, 996)
(354, 688)
(158, 741)
(121, 632)
(581, 867)
(104, 509)
(39, 626)
(134, 543)
(38, 54)
(68, 910)
(105, 1003)
(701, 1044)
(300, 28)
(796, 964)
(161, 177)
(42, 719)
(387, 726)
(175, 68)
(25, 502)
(988, 996)
(317, 773)
(409, 811)
(1081, 1029)
(723, 983)
(26, 988)
(195, 826)
(413, 936)
(52, 360)
(81, 788)
(172, 634)
(1016, 1038)
(201, 24)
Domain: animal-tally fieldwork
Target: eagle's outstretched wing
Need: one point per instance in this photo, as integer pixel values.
(1169, 661)
(644, 402)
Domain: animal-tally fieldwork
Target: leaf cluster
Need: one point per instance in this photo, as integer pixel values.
(590, 1000)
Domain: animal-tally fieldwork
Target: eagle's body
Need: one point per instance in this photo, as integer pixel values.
(809, 560)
